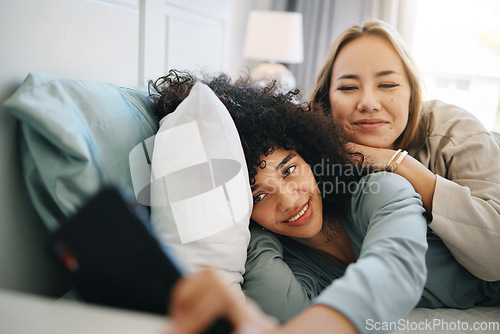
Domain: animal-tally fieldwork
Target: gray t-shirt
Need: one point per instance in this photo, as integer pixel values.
(388, 232)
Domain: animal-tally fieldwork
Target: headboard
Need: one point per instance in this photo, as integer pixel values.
(123, 42)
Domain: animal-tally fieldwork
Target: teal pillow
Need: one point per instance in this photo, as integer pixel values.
(75, 138)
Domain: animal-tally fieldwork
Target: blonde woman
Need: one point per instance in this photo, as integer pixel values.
(370, 84)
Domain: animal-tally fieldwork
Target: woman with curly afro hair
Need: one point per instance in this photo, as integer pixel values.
(333, 246)
(267, 119)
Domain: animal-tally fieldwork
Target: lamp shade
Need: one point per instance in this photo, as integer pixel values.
(274, 36)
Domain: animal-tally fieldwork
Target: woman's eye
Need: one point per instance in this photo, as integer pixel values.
(347, 88)
(289, 170)
(388, 85)
(258, 198)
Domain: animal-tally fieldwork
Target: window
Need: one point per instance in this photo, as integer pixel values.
(457, 47)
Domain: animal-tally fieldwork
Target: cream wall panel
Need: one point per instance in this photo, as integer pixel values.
(188, 35)
(195, 40)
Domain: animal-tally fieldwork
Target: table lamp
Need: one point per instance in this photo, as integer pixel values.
(274, 37)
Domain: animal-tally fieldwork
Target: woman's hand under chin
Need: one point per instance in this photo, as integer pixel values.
(202, 298)
(374, 157)
(421, 178)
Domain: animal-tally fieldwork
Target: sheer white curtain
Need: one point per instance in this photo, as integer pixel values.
(324, 20)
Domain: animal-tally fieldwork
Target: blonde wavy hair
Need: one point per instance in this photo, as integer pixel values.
(414, 133)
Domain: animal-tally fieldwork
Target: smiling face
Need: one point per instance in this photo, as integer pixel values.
(286, 196)
(370, 92)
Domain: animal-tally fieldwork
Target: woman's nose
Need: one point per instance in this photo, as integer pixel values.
(288, 196)
(369, 102)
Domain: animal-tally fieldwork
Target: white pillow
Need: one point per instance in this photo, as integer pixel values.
(201, 200)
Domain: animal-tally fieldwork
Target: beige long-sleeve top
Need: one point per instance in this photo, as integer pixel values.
(466, 205)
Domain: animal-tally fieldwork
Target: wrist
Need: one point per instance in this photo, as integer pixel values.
(395, 160)
(421, 178)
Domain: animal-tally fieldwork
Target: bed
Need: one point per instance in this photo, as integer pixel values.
(65, 73)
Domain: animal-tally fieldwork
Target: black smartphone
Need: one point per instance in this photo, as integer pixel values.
(112, 259)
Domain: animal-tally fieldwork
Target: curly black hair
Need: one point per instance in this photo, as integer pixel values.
(268, 118)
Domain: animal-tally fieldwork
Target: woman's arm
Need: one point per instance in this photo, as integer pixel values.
(387, 280)
(199, 300)
(466, 209)
(319, 319)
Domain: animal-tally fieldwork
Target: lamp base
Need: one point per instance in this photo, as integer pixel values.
(267, 72)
